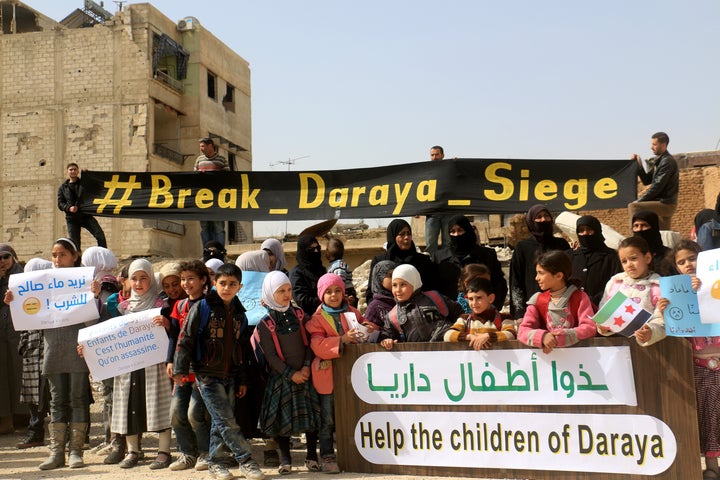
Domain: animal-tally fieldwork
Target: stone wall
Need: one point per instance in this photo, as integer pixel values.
(699, 187)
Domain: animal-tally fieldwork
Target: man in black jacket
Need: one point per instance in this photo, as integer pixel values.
(68, 198)
(663, 177)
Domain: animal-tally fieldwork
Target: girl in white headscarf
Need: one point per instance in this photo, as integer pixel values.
(291, 405)
(254, 261)
(67, 376)
(141, 399)
(277, 255)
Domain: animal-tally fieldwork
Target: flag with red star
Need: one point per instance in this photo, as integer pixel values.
(622, 315)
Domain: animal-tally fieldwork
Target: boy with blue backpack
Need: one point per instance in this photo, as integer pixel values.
(214, 343)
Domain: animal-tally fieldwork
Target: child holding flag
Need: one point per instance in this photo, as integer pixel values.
(641, 285)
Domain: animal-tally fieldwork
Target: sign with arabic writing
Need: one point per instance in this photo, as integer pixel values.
(250, 295)
(123, 344)
(570, 442)
(566, 376)
(52, 298)
(682, 315)
(451, 186)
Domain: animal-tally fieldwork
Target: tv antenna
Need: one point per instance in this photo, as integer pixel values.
(289, 162)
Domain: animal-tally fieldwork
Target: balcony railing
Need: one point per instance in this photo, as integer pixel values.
(168, 153)
(173, 83)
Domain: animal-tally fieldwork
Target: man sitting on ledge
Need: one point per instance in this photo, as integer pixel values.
(663, 177)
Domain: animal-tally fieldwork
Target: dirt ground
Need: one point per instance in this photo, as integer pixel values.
(23, 464)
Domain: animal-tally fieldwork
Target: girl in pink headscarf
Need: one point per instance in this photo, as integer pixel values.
(334, 324)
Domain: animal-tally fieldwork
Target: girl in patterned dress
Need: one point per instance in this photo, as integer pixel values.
(639, 283)
(141, 399)
(291, 405)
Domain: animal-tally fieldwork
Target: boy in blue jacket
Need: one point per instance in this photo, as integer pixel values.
(212, 344)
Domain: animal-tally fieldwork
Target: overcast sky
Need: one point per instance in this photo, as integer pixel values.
(352, 84)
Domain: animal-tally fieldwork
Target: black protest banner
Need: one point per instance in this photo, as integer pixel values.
(460, 185)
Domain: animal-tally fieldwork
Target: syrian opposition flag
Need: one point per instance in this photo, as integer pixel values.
(621, 315)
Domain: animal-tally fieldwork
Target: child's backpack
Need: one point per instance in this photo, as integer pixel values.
(440, 304)
(708, 236)
(263, 365)
(543, 301)
(184, 308)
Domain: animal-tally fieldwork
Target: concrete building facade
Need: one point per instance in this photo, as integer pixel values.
(130, 91)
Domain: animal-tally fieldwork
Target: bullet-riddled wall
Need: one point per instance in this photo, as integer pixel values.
(97, 96)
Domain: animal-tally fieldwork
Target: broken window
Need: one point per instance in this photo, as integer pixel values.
(17, 19)
(212, 85)
(170, 61)
(228, 100)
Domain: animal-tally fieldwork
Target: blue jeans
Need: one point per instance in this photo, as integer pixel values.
(69, 397)
(211, 230)
(436, 225)
(219, 397)
(188, 420)
(327, 424)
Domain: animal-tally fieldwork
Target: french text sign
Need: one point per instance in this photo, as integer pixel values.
(123, 344)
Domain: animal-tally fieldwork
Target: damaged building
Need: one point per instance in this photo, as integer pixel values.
(126, 91)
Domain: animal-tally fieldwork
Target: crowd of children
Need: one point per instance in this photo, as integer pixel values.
(215, 356)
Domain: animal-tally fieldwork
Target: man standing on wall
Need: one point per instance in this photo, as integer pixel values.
(436, 224)
(661, 173)
(68, 199)
(210, 161)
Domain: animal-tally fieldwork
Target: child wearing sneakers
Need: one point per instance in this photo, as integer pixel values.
(187, 410)
(334, 324)
(219, 320)
(290, 404)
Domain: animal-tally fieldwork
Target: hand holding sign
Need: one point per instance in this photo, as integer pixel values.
(51, 298)
(123, 344)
